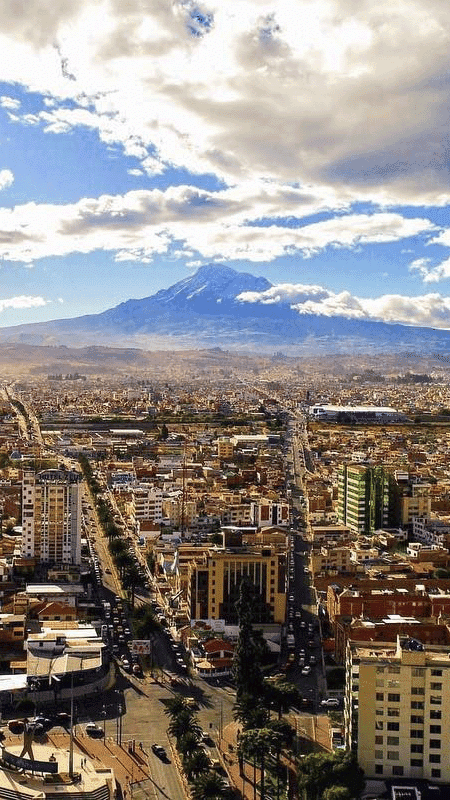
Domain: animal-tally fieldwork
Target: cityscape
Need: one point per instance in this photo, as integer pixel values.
(224, 400)
(137, 512)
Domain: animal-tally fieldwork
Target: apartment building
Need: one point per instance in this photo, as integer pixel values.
(51, 516)
(397, 704)
(225, 448)
(363, 497)
(147, 503)
(266, 513)
(215, 583)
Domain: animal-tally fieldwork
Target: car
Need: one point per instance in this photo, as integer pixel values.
(298, 614)
(303, 624)
(93, 730)
(306, 670)
(16, 726)
(312, 660)
(44, 721)
(330, 702)
(160, 751)
(302, 652)
(126, 665)
(137, 670)
(306, 570)
(62, 718)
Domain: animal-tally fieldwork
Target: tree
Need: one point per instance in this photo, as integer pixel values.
(188, 744)
(248, 713)
(257, 744)
(209, 786)
(175, 705)
(164, 432)
(196, 764)
(130, 580)
(280, 695)
(337, 793)
(184, 723)
(319, 771)
(246, 663)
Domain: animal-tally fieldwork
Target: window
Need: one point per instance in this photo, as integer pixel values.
(417, 704)
(379, 696)
(393, 740)
(416, 734)
(379, 725)
(435, 700)
(378, 740)
(436, 686)
(379, 712)
(380, 670)
(379, 755)
(416, 720)
(397, 770)
(418, 672)
(393, 712)
(393, 726)
(416, 762)
(417, 748)
(393, 698)
(417, 690)
(435, 744)
(393, 755)
(436, 673)
(435, 758)
(435, 773)
(434, 714)
(379, 769)
(435, 728)
(393, 684)
(394, 670)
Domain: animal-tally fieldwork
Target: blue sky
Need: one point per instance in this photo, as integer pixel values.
(303, 141)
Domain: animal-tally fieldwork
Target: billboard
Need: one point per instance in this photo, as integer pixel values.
(141, 647)
(28, 764)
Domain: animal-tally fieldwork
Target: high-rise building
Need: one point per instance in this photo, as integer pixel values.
(363, 497)
(397, 704)
(51, 516)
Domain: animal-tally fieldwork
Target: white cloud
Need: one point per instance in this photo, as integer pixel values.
(195, 222)
(431, 275)
(22, 301)
(6, 178)
(429, 310)
(9, 102)
(325, 92)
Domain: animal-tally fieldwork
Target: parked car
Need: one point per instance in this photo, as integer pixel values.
(330, 702)
(93, 730)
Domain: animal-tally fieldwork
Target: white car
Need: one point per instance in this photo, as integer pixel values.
(306, 670)
(330, 702)
(92, 729)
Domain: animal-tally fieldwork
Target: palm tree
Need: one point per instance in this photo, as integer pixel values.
(257, 744)
(130, 579)
(184, 723)
(209, 786)
(280, 695)
(175, 705)
(250, 713)
(188, 744)
(196, 764)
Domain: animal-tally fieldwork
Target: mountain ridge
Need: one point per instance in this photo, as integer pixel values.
(201, 310)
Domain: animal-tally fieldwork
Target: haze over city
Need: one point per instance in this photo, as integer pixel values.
(306, 142)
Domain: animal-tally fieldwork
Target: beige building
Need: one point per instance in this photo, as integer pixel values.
(397, 707)
(332, 560)
(225, 448)
(51, 516)
(216, 578)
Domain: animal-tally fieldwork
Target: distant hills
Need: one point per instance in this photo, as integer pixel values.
(201, 311)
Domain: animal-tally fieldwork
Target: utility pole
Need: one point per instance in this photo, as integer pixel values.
(71, 728)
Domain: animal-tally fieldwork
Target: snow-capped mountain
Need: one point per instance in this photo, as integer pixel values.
(202, 310)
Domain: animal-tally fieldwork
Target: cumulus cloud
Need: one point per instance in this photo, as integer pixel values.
(429, 310)
(6, 178)
(9, 102)
(440, 272)
(330, 93)
(22, 301)
(195, 222)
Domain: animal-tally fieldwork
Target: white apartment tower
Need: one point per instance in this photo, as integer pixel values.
(51, 516)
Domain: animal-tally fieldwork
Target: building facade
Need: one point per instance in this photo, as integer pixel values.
(51, 516)
(363, 497)
(397, 704)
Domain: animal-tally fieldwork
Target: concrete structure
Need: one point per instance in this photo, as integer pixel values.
(51, 516)
(147, 503)
(397, 704)
(344, 414)
(215, 581)
(363, 497)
